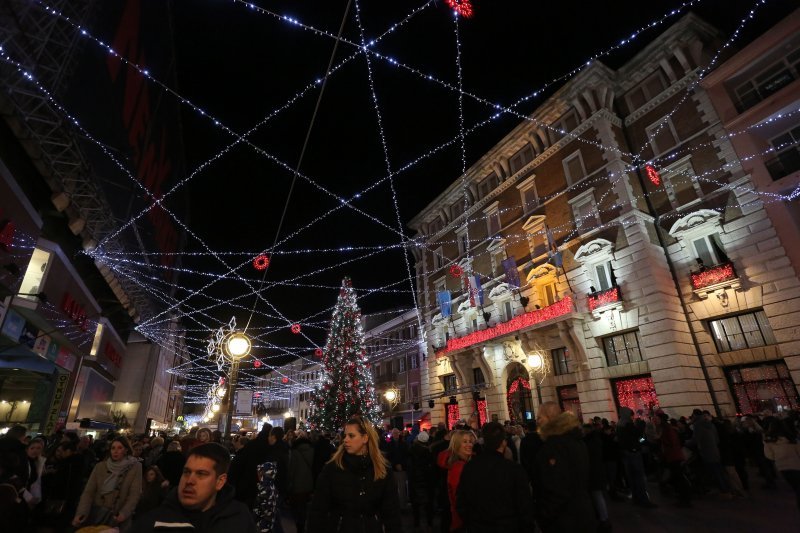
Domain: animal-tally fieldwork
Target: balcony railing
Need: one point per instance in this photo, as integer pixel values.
(560, 308)
(601, 299)
(713, 276)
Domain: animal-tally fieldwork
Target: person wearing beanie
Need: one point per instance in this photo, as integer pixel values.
(422, 479)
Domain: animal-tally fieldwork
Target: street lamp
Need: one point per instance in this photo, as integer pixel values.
(235, 346)
(392, 396)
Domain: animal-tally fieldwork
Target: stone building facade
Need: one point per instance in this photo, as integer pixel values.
(651, 274)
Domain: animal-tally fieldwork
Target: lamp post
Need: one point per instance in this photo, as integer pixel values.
(235, 347)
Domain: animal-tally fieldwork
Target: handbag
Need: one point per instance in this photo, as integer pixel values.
(99, 516)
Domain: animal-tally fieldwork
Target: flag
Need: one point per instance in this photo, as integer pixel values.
(552, 248)
(475, 291)
(512, 274)
(444, 302)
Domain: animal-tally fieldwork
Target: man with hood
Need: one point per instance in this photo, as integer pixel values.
(561, 473)
(629, 440)
(203, 501)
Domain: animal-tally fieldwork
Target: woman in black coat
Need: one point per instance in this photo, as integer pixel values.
(562, 473)
(422, 479)
(355, 490)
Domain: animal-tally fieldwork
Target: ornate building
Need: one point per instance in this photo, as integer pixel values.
(609, 251)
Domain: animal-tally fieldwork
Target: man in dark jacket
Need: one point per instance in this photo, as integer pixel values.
(323, 450)
(561, 475)
(203, 499)
(493, 493)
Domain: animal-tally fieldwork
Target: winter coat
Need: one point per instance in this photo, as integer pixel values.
(453, 479)
(226, 516)
(351, 500)
(301, 462)
(706, 439)
(153, 495)
(671, 448)
(562, 478)
(528, 449)
(63, 482)
(323, 450)
(493, 495)
(597, 468)
(397, 453)
(242, 474)
(785, 454)
(121, 501)
(421, 473)
(171, 466)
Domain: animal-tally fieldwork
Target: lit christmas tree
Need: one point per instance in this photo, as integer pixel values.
(347, 388)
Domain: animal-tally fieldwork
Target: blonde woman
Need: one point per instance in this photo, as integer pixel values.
(355, 490)
(453, 460)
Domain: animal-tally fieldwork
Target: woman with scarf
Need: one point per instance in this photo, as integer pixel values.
(113, 489)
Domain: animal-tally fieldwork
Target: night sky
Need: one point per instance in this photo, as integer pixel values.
(240, 65)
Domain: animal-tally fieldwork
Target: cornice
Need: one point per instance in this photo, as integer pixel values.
(667, 93)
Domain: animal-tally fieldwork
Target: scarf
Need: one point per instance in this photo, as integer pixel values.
(116, 470)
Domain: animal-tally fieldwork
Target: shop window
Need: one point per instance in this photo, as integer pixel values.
(748, 330)
(569, 400)
(560, 361)
(35, 275)
(762, 386)
(623, 348)
(637, 393)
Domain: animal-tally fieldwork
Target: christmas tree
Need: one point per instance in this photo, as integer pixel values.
(347, 387)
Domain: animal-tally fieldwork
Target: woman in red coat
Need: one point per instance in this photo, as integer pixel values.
(453, 460)
(672, 453)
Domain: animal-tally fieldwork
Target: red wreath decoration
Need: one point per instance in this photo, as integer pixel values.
(261, 262)
(284, 380)
(456, 271)
(257, 363)
(462, 7)
(318, 352)
(295, 328)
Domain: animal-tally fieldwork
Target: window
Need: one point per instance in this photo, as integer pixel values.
(604, 276)
(567, 123)
(497, 257)
(35, 274)
(438, 258)
(623, 348)
(787, 159)
(492, 213)
(574, 170)
(449, 382)
(474, 323)
(463, 241)
(528, 195)
(768, 81)
(584, 211)
(523, 156)
(508, 309)
(377, 370)
(706, 249)
(762, 386)
(748, 330)
(560, 361)
(457, 209)
(436, 225)
(414, 361)
(487, 185)
(680, 182)
(662, 135)
(534, 230)
(414, 392)
(401, 364)
(646, 91)
(548, 293)
(477, 376)
(569, 400)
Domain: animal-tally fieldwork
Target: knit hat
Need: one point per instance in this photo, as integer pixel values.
(423, 437)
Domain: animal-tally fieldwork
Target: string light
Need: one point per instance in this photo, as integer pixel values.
(713, 275)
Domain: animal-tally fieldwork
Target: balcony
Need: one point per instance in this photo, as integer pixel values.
(719, 276)
(561, 308)
(601, 301)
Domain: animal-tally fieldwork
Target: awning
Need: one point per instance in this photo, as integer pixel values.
(14, 355)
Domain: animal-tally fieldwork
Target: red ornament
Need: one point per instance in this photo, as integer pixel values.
(295, 328)
(456, 271)
(653, 175)
(713, 275)
(318, 352)
(462, 7)
(560, 308)
(261, 262)
(604, 298)
(257, 363)
(284, 380)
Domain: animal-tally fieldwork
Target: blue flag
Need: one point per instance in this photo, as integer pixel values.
(512, 274)
(444, 302)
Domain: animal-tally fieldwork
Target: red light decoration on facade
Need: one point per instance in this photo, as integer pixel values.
(713, 275)
(261, 262)
(462, 7)
(604, 298)
(456, 271)
(481, 405)
(318, 352)
(75, 311)
(284, 380)
(560, 308)
(453, 415)
(295, 328)
(653, 175)
(639, 394)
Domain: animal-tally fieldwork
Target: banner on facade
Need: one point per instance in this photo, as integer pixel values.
(512, 274)
(59, 391)
(444, 303)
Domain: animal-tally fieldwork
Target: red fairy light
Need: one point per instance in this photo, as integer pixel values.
(636, 393)
(257, 363)
(653, 175)
(604, 298)
(713, 275)
(318, 352)
(456, 271)
(453, 415)
(560, 308)
(295, 328)
(261, 262)
(284, 380)
(462, 7)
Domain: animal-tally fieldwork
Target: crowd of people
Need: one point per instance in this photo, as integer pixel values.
(554, 474)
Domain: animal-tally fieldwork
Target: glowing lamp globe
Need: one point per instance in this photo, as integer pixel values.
(390, 395)
(535, 361)
(221, 392)
(215, 407)
(287, 414)
(238, 345)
